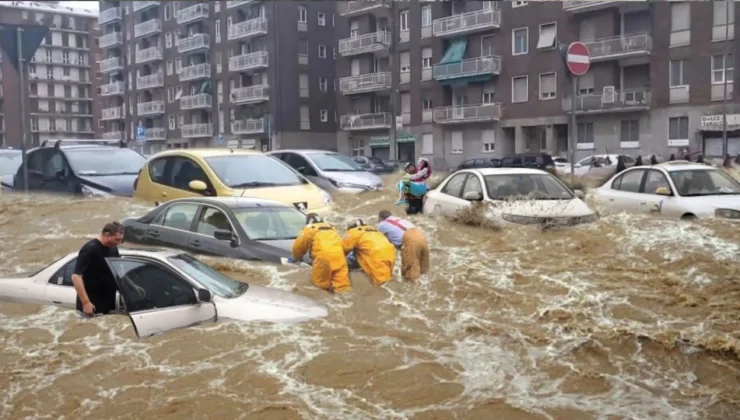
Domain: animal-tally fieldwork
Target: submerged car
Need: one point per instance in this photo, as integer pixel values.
(10, 161)
(516, 196)
(178, 291)
(678, 189)
(234, 227)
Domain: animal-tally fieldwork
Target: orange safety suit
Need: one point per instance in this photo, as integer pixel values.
(329, 270)
(375, 254)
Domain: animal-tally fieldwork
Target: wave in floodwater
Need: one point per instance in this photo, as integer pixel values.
(629, 317)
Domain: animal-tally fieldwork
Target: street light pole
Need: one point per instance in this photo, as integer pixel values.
(725, 150)
(395, 68)
(24, 119)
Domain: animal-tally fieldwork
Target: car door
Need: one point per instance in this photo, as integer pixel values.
(208, 221)
(656, 204)
(35, 162)
(302, 165)
(624, 193)
(179, 172)
(60, 290)
(169, 301)
(450, 197)
(173, 226)
(57, 174)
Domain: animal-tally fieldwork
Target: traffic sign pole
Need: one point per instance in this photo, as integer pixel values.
(573, 125)
(578, 60)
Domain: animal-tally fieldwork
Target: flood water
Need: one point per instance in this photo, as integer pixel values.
(628, 318)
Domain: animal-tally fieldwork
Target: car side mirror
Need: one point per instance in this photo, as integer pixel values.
(199, 186)
(579, 194)
(663, 191)
(472, 196)
(204, 296)
(226, 235)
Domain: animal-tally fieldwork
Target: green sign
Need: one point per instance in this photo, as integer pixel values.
(383, 141)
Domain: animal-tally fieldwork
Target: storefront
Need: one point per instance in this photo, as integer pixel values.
(711, 135)
(405, 147)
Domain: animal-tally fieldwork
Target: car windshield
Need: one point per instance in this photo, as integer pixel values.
(700, 182)
(334, 162)
(9, 163)
(253, 171)
(210, 278)
(271, 224)
(526, 186)
(105, 161)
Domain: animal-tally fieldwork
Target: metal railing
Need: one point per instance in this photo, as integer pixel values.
(237, 3)
(194, 12)
(466, 68)
(365, 82)
(155, 133)
(109, 15)
(198, 71)
(149, 54)
(111, 39)
(365, 43)
(467, 113)
(576, 5)
(249, 61)
(192, 43)
(149, 27)
(256, 93)
(197, 130)
(115, 88)
(114, 113)
(197, 101)
(151, 81)
(365, 121)
(248, 126)
(150, 108)
(628, 98)
(141, 5)
(467, 22)
(113, 135)
(251, 27)
(360, 6)
(111, 64)
(616, 46)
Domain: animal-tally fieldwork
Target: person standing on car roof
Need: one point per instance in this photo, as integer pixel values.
(93, 279)
(375, 254)
(410, 240)
(329, 270)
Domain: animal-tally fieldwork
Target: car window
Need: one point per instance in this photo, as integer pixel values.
(454, 186)
(699, 182)
(472, 184)
(54, 165)
(63, 276)
(36, 161)
(9, 163)
(211, 220)
(105, 161)
(184, 171)
(630, 181)
(655, 179)
(156, 170)
(629, 159)
(526, 186)
(334, 162)
(244, 171)
(262, 224)
(297, 161)
(162, 288)
(209, 278)
(177, 216)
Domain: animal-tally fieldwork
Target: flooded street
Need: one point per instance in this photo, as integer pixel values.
(631, 317)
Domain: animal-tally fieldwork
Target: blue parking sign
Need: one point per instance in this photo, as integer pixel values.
(220, 139)
(140, 133)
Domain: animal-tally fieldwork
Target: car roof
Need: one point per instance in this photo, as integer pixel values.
(505, 171)
(233, 202)
(206, 152)
(148, 252)
(683, 165)
(305, 151)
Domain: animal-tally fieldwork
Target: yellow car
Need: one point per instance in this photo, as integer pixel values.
(226, 172)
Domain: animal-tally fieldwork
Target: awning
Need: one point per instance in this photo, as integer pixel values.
(385, 141)
(456, 51)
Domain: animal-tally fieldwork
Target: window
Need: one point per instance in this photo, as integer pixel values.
(520, 89)
(548, 86)
(486, 46)
(426, 58)
(723, 70)
(454, 185)
(323, 84)
(404, 20)
(324, 115)
(63, 277)
(354, 29)
(723, 20)
(457, 142)
(322, 51)
(167, 12)
(217, 6)
(548, 36)
(212, 220)
(520, 41)
(170, 95)
(426, 104)
(630, 181)
(488, 93)
(678, 131)
(171, 122)
(489, 140)
(303, 47)
(586, 84)
(427, 144)
(162, 289)
(680, 22)
(655, 179)
(405, 59)
(630, 131)
(322, 19)
(426, 16)
(334, 52)
(676, 76)
(302, 14)
(305, 117)
(585, 133)
(218, 29)
(303, 84)
(472, 184)
(168, 40)
(169, 67)
(515, 4)
(178, 64)
(177, 216)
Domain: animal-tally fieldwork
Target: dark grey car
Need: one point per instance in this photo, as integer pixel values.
(233, 227)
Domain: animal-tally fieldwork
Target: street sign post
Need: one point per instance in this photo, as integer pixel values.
(578, 61)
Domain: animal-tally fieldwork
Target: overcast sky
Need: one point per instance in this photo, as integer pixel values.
(89, 5)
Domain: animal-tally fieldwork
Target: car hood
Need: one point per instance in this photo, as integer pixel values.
(363, 178)
(282, 248)
(261, 303)
(543, 208)
(6, 181)
(120, 185)
(293, 195)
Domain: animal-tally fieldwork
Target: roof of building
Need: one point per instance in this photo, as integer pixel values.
(48, 7)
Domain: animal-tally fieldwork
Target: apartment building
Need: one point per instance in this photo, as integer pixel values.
(482, 78)
(61, 86)
(253, 74)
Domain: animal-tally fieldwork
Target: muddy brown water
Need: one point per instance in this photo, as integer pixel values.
(630, 317)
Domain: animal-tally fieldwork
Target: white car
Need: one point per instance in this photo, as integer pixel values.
(179, 291)
(604, 165)
(677, 189)
(517, 196)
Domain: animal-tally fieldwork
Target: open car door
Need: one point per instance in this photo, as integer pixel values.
(157, 299)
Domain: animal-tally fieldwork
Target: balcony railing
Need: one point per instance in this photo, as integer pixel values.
(198, 101)
(467, 113)
(250, 94)
(253, 61)
(196, 130)
(109, 15)
(348, 8)
(113, 135)
(365, 121)
(365, 83)
(193, 13)
(115, 88)
(237, 3)
(249, 126)
(151, 81)
(198, 71)
(141, 5)
(111, 39)
(115, 113)
(620, 47)
(362, 44)
(467, 68)
(151, 26)
(588, 5)
(149, 54)
(155, 133)
(248, 28)
(150, 108)
(111, 64)
(466, 23)
(624, 100)
(193, 43)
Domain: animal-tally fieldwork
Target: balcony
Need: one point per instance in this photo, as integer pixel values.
(237, 3)
(155, 133)
(194, 43)
(718, 91)
(468, 68)
(248, 28)
(193, 13)
(149, 27)
(111, 39)
(115, 113)
(250, 94)
(249, 62)
(615, 48)
(467, 23)
(197, 101)
(149, 54)
(113, 135)
(150, 108)
(111, 64)
(370, 82)
(628, 100)
(196, 130)
(249, 126)
(151, 81)
(374, 121)
(198, 71)
(357, 7)
(142, 5)
(375, 41)
(467, 113)
(588, 6)
(110, 89)
(109, 15)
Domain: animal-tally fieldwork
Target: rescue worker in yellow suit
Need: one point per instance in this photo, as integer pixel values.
(329, 270)
(375, 254)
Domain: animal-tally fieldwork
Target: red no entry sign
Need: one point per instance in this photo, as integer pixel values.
(578, 58)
